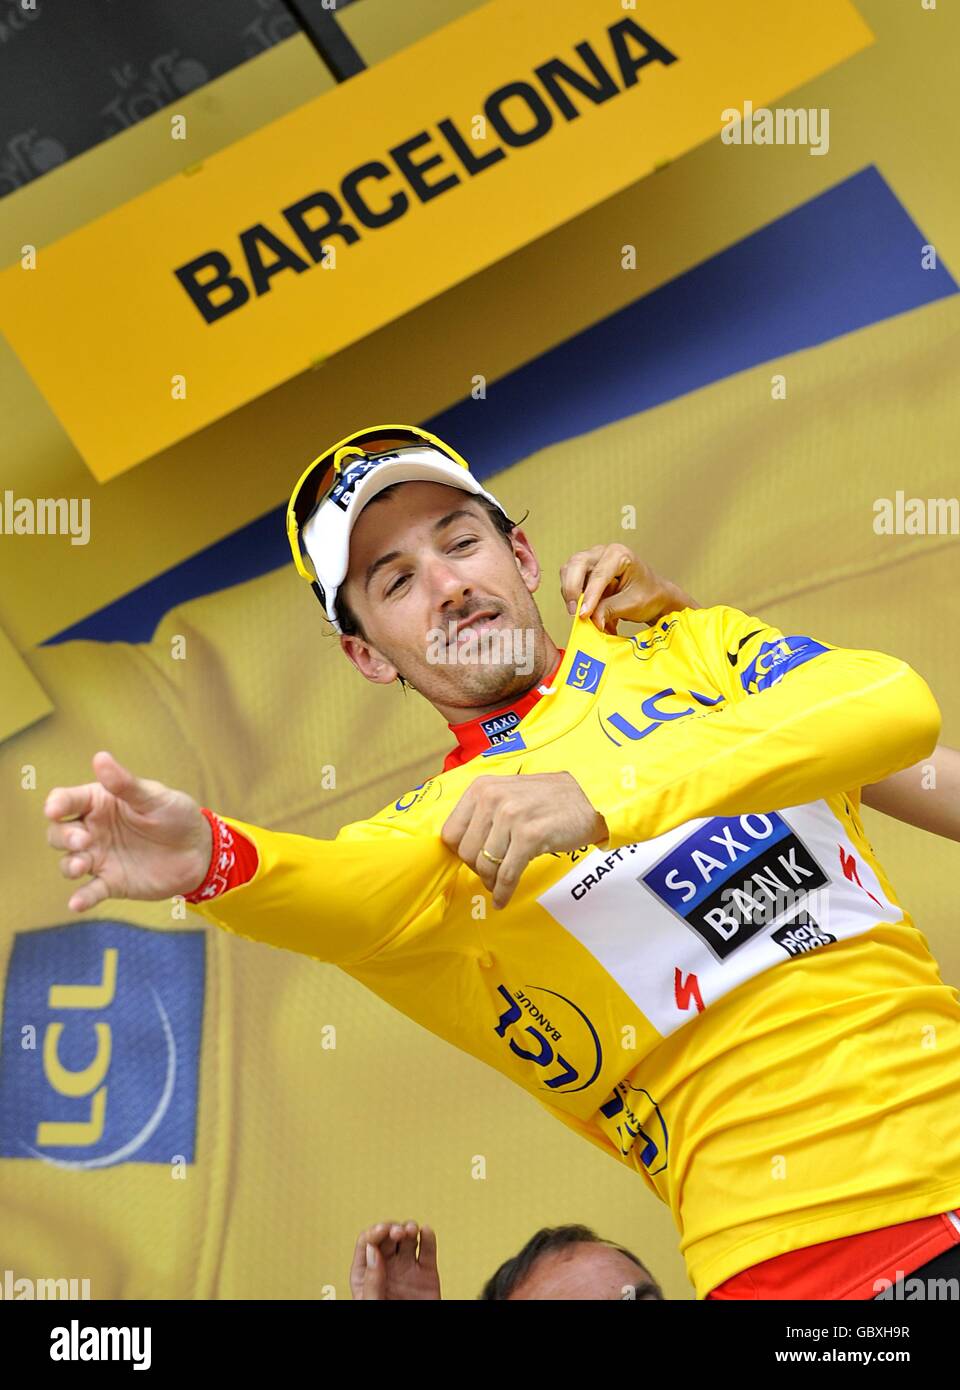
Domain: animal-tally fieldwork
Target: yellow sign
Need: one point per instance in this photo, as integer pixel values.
(24, 699)
(209, 290)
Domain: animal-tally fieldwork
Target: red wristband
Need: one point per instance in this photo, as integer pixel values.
(233, 860)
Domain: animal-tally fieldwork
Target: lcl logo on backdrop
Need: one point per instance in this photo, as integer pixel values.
(100, 1054)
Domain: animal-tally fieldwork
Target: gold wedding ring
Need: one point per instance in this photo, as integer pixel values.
(492, 857)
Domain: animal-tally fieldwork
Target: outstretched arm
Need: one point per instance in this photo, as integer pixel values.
(336, 900)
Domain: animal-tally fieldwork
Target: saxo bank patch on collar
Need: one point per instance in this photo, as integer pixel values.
(100, 1053)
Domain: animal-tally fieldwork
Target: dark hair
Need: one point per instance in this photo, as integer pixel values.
(349, 623)
(512, 1272)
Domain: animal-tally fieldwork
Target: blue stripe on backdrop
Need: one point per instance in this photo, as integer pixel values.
(846, 259)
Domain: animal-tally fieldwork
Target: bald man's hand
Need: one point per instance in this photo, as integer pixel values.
(395, 1261)
(135, 837)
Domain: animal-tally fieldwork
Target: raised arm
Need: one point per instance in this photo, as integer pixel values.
(618, 586)
(926, 795)
(800, 721)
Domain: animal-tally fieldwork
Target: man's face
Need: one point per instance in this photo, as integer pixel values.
(586, 1270)
(443, 599)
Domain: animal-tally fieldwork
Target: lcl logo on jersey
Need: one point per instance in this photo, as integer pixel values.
(654, 640)
(650, 1138)
(430, 790)
(101, 1045)
(659, 709)
(775, 659)
(549, 1030)
(585, 672)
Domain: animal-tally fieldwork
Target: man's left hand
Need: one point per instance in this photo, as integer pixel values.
(515, 818)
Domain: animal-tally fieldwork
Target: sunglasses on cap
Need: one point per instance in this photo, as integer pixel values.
(321, 478)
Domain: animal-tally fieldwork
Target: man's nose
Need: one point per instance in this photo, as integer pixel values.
(446, 585)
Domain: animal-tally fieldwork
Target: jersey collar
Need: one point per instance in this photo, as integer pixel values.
(477, 737)
(580, 680)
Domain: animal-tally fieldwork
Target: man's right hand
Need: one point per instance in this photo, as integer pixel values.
(138, 838)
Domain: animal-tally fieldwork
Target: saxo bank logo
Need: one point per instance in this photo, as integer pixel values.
(100, 1050)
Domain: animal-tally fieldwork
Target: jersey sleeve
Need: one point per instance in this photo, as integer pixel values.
(336, 900)
(799, 720)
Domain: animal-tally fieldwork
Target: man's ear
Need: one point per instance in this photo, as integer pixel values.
(527, 562)
(371, 664)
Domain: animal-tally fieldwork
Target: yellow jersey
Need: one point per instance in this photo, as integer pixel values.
(726, 994)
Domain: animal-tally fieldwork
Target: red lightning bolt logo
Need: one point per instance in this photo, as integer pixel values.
(686, 989)
(849, 866)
